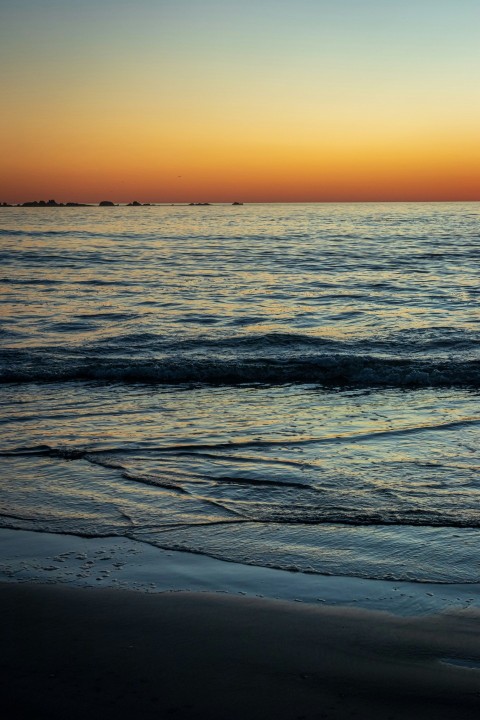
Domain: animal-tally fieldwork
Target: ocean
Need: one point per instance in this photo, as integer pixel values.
(291, 386)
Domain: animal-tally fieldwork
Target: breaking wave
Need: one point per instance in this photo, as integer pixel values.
(322, 369)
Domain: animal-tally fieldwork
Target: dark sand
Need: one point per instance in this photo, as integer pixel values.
(69, 653)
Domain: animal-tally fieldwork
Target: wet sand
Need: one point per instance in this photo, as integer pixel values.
(115, 654)
(122, 563)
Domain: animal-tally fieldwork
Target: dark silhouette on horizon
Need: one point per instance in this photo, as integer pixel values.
(51, 203)
(102, 203)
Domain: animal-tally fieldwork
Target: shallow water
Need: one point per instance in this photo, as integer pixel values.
(292, 386)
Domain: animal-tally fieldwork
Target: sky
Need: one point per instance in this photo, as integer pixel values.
(251, 100)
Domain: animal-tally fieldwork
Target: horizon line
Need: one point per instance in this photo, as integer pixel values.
(154, 203)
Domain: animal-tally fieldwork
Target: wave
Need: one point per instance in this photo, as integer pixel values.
(421, 343)
(204, 449)
(30, 281)
(83, 234)
(349, 370)
(288, 503)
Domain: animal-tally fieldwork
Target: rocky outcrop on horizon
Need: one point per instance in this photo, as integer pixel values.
(103, 203)
(50, 203)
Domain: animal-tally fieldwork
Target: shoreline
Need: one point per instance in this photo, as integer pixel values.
(117, 654)
(121, 563)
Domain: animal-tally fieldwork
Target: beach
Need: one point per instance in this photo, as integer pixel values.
(240, 461)
(239, 360)
(118, 654)
(111, 628)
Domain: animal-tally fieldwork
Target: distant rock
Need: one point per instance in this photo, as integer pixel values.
(198, 204)
(49, 203)
(42, 203)
(106, 203)
(237, 203)
(135, 203)
(4, 204)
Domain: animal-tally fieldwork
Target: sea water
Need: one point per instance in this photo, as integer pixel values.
(291, 386)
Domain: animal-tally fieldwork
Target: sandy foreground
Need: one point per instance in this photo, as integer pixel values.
(102, 653)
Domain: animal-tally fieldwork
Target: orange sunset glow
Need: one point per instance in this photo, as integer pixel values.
(172, 102)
